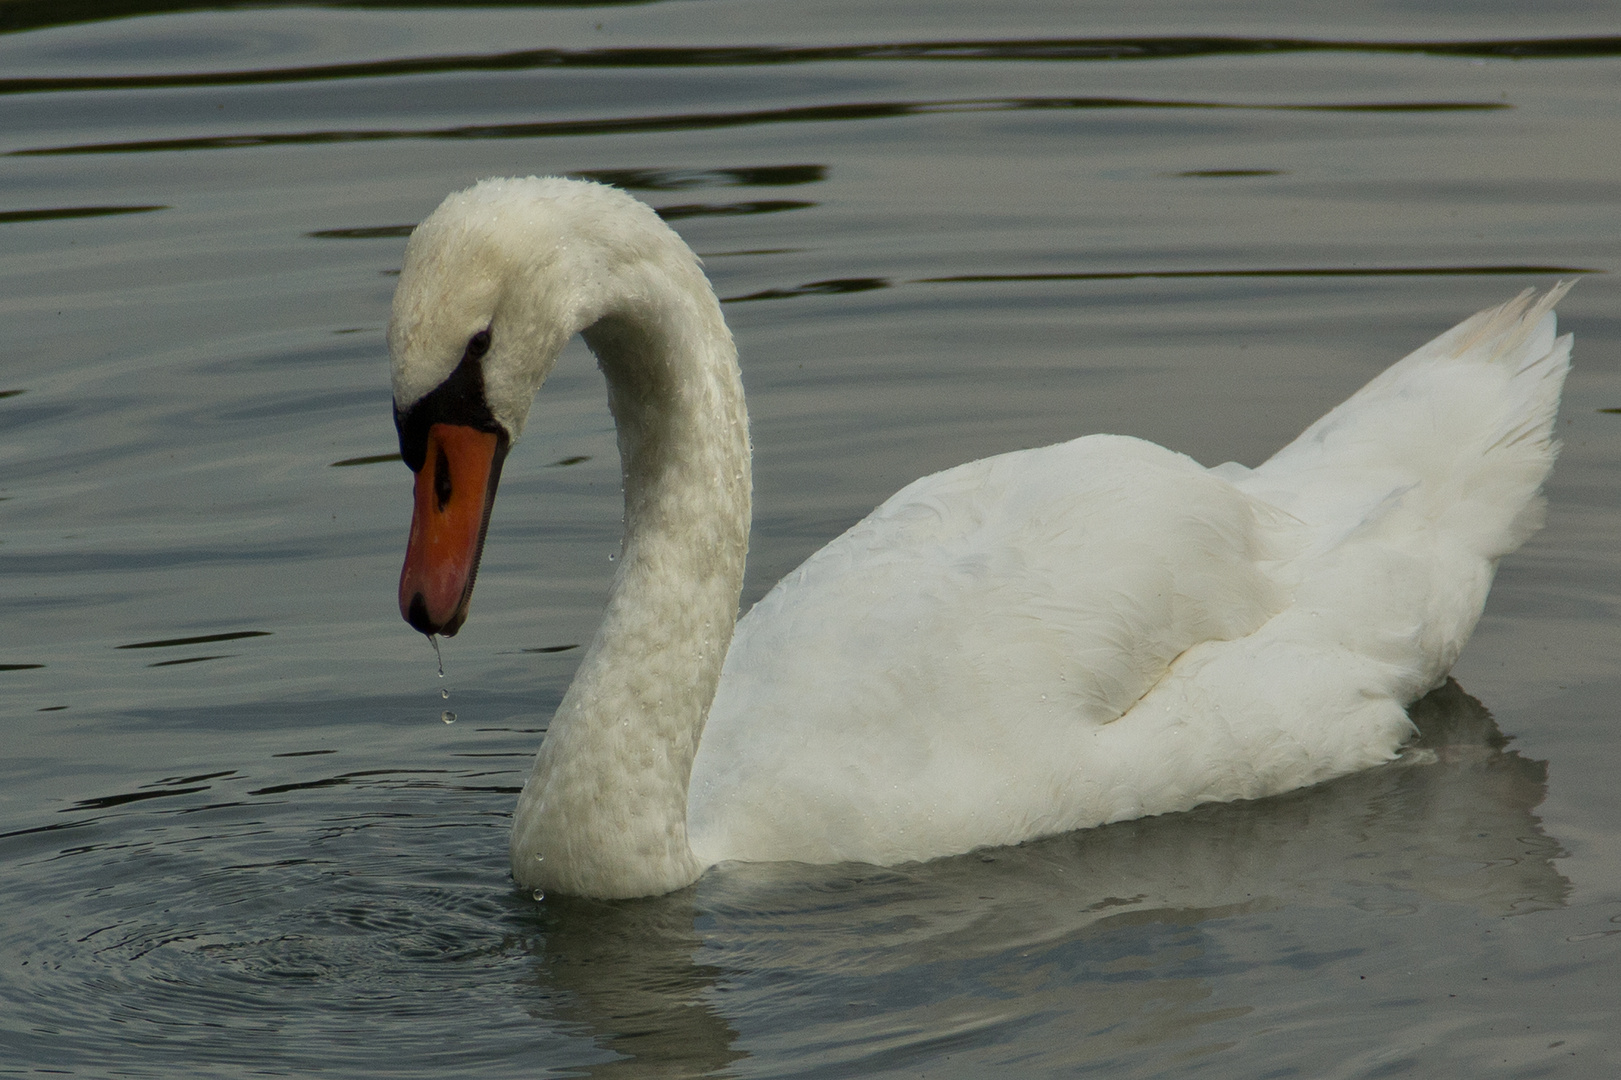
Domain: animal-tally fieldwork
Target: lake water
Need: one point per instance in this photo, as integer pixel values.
(236, 836)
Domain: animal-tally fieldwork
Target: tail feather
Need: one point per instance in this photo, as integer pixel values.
(1500, 331)
(1459, 432)
(1401, 500)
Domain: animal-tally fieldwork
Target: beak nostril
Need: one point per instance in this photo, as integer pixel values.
(441, 480)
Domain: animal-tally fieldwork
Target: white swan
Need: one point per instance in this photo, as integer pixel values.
(1042, 641)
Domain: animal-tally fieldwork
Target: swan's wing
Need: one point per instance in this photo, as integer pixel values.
(1099, 630)
(921, 685)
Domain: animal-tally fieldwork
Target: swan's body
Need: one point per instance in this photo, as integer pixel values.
(1041, 641)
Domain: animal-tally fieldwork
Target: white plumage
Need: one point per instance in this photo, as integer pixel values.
(1040, 641)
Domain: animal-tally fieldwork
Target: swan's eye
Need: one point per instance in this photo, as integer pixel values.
(478, 344)
(441, 480)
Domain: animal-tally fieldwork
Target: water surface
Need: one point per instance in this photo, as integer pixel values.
(236, 836)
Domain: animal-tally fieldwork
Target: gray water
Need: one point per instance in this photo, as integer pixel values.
(236, 836)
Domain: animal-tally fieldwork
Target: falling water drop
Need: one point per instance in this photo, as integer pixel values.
(448, 717)
(433, 639)
(445, 694)
(539, 895)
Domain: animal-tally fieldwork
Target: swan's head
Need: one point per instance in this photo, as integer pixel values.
(494, 282)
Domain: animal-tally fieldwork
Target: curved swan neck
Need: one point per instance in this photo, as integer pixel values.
(604, 812)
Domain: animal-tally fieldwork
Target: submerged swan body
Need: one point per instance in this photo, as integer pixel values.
(1040, 641)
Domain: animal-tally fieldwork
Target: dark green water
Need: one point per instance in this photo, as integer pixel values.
(235, 836)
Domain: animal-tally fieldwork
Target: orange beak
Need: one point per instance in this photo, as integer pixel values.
(455, 489)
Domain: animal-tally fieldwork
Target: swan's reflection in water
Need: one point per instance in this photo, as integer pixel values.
(1104, 935)
(633, 975)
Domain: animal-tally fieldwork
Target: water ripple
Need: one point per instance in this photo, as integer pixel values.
(866, 284)
(1049, 50)
(621, 125)
(59, 212)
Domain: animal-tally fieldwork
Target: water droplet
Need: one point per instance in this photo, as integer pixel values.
(540, 858)
(433, 639)
(539, 895)
(611, 558)
(445, 694)
(448, 717)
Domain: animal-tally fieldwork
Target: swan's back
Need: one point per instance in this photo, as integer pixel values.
(1056, 638)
